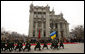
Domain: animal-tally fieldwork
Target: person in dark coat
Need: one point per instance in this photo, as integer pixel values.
(12, 45)
(61, 44)
(56, 44)
(19, 46)
(15, 46)
(28, 46)
(7, 46)
(24, 46)
(37, 46)
(52, 45)
(2, 45)
(45, 45)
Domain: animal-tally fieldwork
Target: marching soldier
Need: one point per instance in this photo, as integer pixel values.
(56, 44)
(52, 45)
(45, 45)
(2, 45)
(61, 44)
(24, 46)
(7, 46)
(37, 46)
(19, 46)
(15, 46)
(28, 46)
(12, 45)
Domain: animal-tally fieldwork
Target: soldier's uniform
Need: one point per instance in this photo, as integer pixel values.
(7, 46)
(19, 46)
(24, 46)
(52, 45)
(15, 46)
(28, 46)
(56, 45)
(61, 44)
(2, 46)
(12, 45)
(45, 45)
(37, 46)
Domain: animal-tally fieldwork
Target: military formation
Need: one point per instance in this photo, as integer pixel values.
(22, 46)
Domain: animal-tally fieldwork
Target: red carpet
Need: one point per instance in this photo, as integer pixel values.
(63, 43)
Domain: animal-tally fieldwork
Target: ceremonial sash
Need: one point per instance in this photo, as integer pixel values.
(5, 44)
(23, 46)
(15, 44)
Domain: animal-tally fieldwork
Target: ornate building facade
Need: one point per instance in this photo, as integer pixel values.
(41, 18)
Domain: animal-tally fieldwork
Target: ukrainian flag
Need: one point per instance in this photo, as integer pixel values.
(53, 35)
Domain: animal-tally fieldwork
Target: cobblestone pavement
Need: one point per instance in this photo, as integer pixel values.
(69, 48)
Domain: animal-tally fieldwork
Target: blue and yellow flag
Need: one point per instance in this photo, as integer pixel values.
(53, 35)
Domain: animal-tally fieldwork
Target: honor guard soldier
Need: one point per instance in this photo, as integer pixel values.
(24, 46)
(12, 45)
(37, 46)
(19, 45)
(7, 46)
(52, 45)
(56, 45)
(28, 46)
(15, 46)
(61, 44)
(45, 45)
(2, 45)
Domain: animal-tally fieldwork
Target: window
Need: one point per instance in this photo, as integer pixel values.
(34, 25)
(56, 25)
(44, 25)
(61, 33)
(56, 33)
(44, 12)
(39, 24)
(44, 33)
(35, 12)
(51, 25)
(33, 33)
(60, 25)
(39, 12)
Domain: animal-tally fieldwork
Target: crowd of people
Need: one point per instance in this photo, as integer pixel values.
(22, 46)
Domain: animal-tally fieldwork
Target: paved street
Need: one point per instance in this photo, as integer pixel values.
(69, 48)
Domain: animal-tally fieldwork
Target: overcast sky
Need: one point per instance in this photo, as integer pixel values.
(15, 14)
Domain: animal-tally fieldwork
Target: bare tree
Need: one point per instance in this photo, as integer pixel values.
(78, 31)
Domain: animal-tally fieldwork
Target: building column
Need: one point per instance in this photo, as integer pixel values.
(47, 24)
(36, 32)
(59, 34)
(42, 30)
(31, 24)
(67, 25)
(64, 30)
(54, 26)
